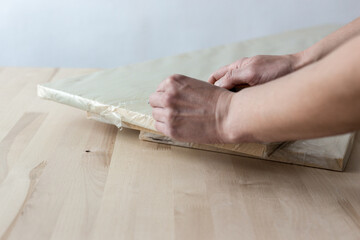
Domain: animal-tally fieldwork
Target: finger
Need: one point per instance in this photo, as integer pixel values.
(159, 114)
(162, 86)
(156, 100)
(161, 127)
(218, 74)
(231, 79)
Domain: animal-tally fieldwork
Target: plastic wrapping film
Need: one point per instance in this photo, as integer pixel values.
(121, 94)
(108, 119)
(117, 115)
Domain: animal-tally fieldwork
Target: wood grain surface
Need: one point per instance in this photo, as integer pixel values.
(63, 176)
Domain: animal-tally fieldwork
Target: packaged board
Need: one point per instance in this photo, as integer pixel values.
(120, 96)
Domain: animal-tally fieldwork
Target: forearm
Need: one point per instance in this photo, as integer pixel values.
(326, 45)
(325, 102)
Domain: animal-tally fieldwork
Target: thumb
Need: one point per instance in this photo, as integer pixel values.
(218, 74)
(229, 80)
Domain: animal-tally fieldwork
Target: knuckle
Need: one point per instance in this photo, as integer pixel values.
(170, 114)
(154, 113)
(168, 100)
(173, 78)
(251, 71)
(238, 63)
(176, 76)
(170, 80)
(251, 76)
(256, 57)
(172, 90)
(229, 76)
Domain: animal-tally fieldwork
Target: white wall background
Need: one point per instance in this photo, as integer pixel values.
(110, 33)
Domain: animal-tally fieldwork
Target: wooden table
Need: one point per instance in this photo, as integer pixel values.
(65, 177)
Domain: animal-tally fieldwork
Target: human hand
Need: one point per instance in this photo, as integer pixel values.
(190, 110)
(254, 70)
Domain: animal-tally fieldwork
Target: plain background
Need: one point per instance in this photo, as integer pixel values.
(110, 33)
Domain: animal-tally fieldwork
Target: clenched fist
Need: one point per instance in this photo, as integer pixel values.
(191, 110)
(254, 70)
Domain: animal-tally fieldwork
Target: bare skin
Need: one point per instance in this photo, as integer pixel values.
(185, 108)
(264, 68)
(316, 93)
(253, 71)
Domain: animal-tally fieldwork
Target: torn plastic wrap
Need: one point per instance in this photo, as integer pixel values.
(117, 115)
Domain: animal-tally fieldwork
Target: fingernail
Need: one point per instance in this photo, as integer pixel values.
(218, 83)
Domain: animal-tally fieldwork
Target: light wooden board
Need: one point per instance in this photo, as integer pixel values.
(329, 152)
(124, 188)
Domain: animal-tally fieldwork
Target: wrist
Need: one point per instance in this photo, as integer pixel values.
(235, 125)
(302, 59)
(298, 60)
(222, 112)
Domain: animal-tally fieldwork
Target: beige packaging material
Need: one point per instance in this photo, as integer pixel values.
(329, 153)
